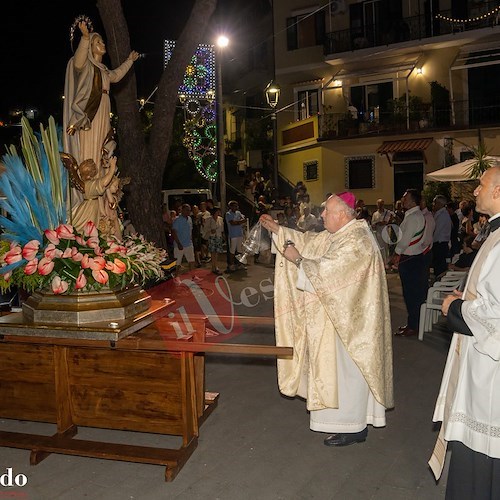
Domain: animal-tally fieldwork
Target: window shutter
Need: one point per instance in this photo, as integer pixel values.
(291, 33)
(319, 24)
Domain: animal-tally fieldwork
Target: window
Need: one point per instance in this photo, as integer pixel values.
(375, 22)
(307, 103)
(372, 101)
(311, 170)
(466, 155)
(305, 30)
(360, 172)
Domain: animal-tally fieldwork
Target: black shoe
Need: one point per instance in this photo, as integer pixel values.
(406, 332)
(345, 439)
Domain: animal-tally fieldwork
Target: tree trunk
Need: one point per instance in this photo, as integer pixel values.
(145, 163)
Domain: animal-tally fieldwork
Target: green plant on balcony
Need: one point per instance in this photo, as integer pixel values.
(348, 125)
(397, 108)
(256, 135)
(440, 100)
(328, 123)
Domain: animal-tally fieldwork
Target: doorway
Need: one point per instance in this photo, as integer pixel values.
(408, 172)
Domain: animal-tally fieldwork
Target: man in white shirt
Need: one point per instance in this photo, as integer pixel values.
(409, 257)
(307, 221)
(442, 235)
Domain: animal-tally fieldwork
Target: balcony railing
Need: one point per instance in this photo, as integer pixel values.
(406, 29)
(463, 114)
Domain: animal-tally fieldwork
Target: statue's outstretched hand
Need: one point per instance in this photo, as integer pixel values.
(133, 56)
(112, 163)
(82, 25)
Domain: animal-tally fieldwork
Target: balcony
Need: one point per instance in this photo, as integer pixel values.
(408, 29)
(400, 119)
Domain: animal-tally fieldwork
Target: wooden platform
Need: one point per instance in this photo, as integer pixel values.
(135, 385)
(149, 381)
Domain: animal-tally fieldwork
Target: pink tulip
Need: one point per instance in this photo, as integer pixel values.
(31, 249)
(98, 264)
(67, 253)
(65, 232)
(31, 267)
(7, 276)
(86, 261)
(93, 242)
(90, 229)
(13, 255)
(116, 267)
(81, 281)
(51, 235)
(45, 266)
(80, 241)
(77, 257)
(120, 266)
(59, 285)
(50, 251)
(100, 276)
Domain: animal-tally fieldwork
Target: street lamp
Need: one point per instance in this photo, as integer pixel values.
(222, 41)
(272, 92)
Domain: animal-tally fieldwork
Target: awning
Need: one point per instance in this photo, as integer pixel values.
(370, 68)
(458, 172)
(478, 54)
(404, 145)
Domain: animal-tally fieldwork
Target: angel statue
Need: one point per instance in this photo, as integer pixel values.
(100, 194)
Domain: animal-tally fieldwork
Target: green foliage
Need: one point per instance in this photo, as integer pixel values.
(481, 159)
(481, 163)
(397, 108)
(434, 188)
(440, 98)
(257, 136)
(449, 157)
(440, 95)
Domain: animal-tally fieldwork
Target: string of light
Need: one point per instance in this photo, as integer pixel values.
(470, 19)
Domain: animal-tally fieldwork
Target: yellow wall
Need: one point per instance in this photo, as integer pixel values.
(331, 168)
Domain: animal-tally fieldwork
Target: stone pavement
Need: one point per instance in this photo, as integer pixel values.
(257, 444)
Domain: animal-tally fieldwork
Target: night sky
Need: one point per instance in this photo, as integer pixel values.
(35, 46)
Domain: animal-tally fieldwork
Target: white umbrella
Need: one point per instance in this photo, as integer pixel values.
(458, 172)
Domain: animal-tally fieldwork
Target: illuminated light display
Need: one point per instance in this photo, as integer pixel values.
(197, 95)
(471, 19)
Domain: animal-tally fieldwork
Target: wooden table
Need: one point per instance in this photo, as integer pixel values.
(148, 382)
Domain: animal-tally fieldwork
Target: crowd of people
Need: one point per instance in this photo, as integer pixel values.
(200, 235)
(331, 263)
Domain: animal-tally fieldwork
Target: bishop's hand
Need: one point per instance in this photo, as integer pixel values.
(268, 223)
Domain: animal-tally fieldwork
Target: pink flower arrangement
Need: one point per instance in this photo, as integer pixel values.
(66, 261)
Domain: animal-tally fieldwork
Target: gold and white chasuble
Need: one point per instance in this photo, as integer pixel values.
(349, 299)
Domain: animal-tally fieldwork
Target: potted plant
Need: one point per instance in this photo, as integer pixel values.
(440, 100)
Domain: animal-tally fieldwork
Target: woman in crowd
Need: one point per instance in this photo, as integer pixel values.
(214, 233)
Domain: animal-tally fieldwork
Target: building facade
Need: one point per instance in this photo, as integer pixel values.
(377, 93)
